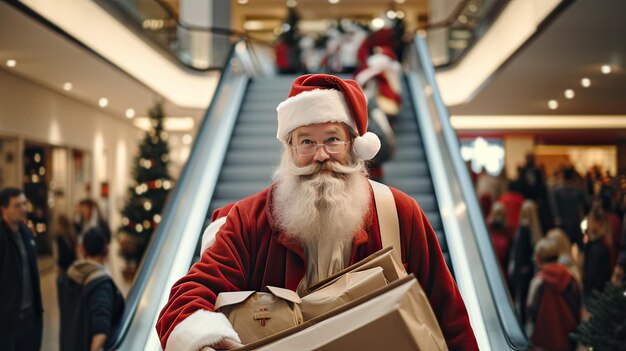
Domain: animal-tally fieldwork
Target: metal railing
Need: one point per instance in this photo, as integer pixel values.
(170, 252)
(197, 48)
(476, 269)
(464, 27)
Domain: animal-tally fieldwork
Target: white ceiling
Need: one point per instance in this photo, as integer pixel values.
(586, 35)
(51, 59)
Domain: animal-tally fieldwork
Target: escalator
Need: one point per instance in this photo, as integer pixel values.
(236, 152)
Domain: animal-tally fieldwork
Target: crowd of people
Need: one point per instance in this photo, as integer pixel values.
(557, 240)
(370, 56)
(90, 303)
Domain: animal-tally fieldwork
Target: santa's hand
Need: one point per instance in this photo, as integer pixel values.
(226, 344)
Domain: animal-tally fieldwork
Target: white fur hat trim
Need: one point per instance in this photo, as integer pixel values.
(312, 107)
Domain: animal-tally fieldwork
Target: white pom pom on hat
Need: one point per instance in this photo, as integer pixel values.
(366, 146)
(322, 98)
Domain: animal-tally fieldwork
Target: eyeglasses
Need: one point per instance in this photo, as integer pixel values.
(332, 147)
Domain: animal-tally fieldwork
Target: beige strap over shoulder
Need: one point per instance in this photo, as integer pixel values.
(387, 216)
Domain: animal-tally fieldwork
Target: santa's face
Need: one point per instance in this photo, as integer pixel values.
(323, 135)
(321, 197)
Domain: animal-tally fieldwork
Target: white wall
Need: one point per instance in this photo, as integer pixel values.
(34, 113)
(516, 147)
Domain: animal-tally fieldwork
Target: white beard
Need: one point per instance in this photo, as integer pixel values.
(310, 206)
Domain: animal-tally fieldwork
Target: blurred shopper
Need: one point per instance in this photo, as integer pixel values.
(89, 301)
(553, 301)
(569, 204)
(520, 263)
(21, 308)
(381, 80)
(352, 38)
(488, 189)
(500, 234)
(89, 216)
(597, 265)
(512, 200)
(534, 186)
(564, 246)
(378, 124)
(65, 242)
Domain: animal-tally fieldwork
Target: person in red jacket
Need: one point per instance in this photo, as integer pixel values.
(317, 218)
(554, 301)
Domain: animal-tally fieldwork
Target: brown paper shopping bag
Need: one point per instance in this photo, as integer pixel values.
(396, 317)
(255, 315)
(384, 258)
(348, 287)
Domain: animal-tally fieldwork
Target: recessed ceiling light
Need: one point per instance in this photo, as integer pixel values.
(187, 139)
(333, 1)
(569, 93)
(400, 1)
(103, 102)
(606, 69)
(391, 14)
(378, 23)
(400, 14)
(585, 82)
(67, 86)
(130, 113)
(11, 63)
(553, 104)
(292, 3)
(242, 2)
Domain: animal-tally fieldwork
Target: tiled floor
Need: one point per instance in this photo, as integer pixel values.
(48, 274)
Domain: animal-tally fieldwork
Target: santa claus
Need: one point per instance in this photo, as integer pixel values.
(317, 218)
(381, 80)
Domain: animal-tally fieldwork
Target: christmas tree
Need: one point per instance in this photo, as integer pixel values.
(142, 211)
(606, 329)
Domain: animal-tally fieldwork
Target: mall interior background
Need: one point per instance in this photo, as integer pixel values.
(77, 79)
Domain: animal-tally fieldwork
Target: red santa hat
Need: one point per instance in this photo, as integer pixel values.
(323, 98)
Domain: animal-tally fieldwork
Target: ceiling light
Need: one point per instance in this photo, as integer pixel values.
(253, 25)
(130, 113)
(585, 82)
(11, 63)
(400, 1)
(378, 23)
(103, 102)
(333, 1)
(606, 69)
(391, 14)
(400, 14)
(187, 138)
(292, 3)
(569, 93)
(67, 86)
(553, 104)
(242, 2)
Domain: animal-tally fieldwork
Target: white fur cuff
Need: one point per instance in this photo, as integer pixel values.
(200, 329)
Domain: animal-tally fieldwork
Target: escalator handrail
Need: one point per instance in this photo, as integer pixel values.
(171, 249)
(451, 179)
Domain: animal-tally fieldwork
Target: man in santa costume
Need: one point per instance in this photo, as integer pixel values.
(381, 80)
(317, 218)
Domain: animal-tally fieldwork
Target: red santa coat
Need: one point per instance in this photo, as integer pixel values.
(250, 252)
